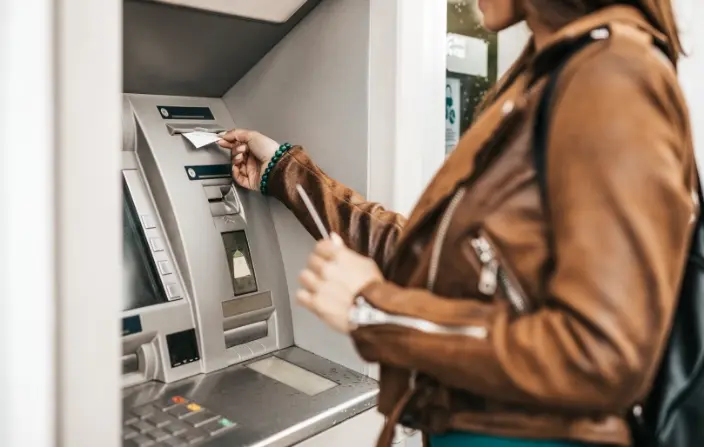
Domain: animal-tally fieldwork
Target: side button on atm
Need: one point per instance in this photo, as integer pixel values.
(156, 244)
(147, 221)
(173, 291)
(165, 267)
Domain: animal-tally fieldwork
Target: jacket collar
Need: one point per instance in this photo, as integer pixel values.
(602, 18)
(497, 120)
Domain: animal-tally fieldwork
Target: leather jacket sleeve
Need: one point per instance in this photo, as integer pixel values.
(365, 227)
(620, 182)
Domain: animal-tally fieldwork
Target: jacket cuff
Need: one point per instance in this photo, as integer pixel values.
(400, 344)
(286, 173)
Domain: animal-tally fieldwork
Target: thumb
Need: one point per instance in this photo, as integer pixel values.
(237, 135)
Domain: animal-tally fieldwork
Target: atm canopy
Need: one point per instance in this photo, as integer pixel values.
(172, 49)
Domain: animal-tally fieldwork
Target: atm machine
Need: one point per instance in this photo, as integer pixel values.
(208, 350)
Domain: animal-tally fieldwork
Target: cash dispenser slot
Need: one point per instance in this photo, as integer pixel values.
(246, 319)
(245, 334)
(178, 129)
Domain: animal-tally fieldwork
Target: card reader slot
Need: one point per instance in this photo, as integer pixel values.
(130, 363)
(140, 366)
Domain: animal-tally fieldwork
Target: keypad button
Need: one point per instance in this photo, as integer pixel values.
(193, 435)
(174, 442)
(144, 411)
(159, 419)
(143, 426)
(147, 221)
(129, 418)
(194, 407)
(214, 428)
(128, 433)
(159, 435)
(165, 267)
(173, 291)
(156, 244)
(172, 402)
(180, 411)
(200, 418)
(176, 428)
(139, 441)
(226, 422)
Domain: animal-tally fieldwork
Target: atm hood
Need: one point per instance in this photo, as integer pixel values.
(201, 47)
(277, 11)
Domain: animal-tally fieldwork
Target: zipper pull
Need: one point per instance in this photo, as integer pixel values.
(488, 276)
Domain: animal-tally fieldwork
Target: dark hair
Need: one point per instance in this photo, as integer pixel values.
(559, 13)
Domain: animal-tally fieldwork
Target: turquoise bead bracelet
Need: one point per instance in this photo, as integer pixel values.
(263, 187)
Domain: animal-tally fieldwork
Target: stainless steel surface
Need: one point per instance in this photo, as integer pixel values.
(169, 50)
(267, 413)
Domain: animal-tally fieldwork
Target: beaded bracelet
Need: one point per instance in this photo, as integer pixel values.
(277, 156)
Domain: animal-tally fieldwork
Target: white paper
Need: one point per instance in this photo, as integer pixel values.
(452, 114)
(240, 268)
(200, 139)
(467, 55)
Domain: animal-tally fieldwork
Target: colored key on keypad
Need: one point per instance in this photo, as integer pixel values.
(178, 400)
(194, 407)
(226, 422)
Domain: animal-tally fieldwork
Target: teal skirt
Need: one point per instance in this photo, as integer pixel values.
(457, 439)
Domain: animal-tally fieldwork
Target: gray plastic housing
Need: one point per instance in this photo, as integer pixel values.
(230, 328)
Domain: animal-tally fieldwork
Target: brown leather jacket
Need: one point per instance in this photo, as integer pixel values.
(501, 319)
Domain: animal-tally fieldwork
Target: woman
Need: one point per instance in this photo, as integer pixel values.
(496, 324)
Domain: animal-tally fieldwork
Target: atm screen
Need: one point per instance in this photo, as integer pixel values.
(141, 285)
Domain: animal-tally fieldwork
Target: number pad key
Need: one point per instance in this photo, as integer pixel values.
(180, 411)
(174, 442)
(159, 435)
(139, 441)
(201, 418)
(176, 428)
(159, 419)
(143, 426)
(193, 435)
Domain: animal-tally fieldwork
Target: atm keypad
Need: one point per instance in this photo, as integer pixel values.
(176, 422)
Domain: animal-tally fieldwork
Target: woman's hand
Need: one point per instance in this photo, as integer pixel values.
(251, 153)
(331, 281)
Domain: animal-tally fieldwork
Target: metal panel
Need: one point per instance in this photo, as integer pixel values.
(171, 50)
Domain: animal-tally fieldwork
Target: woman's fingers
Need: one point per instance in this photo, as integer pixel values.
(316, 264)
(310, 281)
(327, 249)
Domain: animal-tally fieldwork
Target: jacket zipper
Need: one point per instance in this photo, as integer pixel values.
(365, 314)
(493, 274)
(442, 234)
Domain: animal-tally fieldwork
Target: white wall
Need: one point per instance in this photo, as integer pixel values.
(88, 231)
(312, 89)
(60, 223)
(27, 279)
(511, 43)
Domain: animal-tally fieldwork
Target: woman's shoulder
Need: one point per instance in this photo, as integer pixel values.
(625, 53)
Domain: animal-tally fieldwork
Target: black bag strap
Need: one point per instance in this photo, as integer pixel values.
(541, 125)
